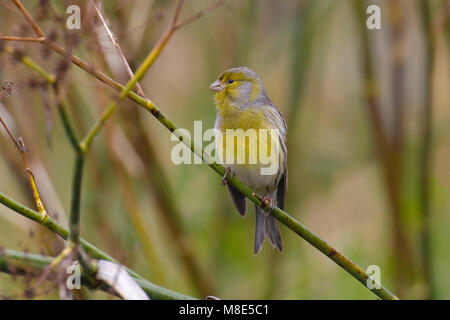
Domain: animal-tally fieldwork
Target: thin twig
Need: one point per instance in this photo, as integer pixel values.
(55, 262)
(154, 53)
(177, 11)
(29, 18)
(199, 14)
(20, 145)
(21, 39)
(97, 127)
(74, 222)
(118, 48)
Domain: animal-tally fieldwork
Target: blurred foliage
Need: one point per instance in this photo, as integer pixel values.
(308, 55)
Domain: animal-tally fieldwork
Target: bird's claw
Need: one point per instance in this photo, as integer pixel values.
(266, 201)
(228, 174)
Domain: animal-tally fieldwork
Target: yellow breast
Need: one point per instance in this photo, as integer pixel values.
(243, 141)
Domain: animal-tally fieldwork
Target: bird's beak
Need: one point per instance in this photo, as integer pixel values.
(217, 86)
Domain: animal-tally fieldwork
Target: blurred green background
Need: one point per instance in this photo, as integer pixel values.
(176, 225)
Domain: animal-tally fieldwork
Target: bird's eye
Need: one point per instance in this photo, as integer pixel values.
(230, 81)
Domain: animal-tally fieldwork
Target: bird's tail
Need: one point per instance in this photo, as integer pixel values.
(266, 225)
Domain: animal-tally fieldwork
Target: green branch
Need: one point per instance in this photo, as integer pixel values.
(20, 263)
(76, 200)
(55, 227)
(74, 235)
(87, 141)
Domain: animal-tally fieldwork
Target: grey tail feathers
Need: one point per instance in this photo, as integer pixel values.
(266, 225)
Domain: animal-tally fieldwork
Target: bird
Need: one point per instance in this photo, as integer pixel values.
(242, 103)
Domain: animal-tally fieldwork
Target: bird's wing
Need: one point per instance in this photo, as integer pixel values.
(282, 180)
(238, 199)
(281, 190)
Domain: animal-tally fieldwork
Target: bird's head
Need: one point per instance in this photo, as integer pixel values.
(239, 86)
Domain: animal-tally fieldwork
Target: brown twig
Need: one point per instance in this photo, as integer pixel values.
(29, 18)
(176, 14)
(199, 14)
(118, 49)
(154, 53)
(55, 262)
(6, 90)
(21, 39)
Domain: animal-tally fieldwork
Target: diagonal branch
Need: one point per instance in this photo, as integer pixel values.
(118, 48)
(20, 145)
(29, 18)
(199, 14)
(55, 227)
(20, 263)
(154, 53)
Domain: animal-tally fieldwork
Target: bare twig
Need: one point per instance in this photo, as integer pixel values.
(29, 18)
(154, 53)
(21, 39)
(55, 262)
(118, 48)
(176, 13)
(20, 145)
(199, 14)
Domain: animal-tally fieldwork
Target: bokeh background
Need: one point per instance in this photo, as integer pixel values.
(377, 202)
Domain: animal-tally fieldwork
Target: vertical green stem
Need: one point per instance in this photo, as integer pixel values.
(76, 200)
(74, 235)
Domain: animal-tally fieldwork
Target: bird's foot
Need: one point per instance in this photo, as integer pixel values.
(228, 174)
(266, 201)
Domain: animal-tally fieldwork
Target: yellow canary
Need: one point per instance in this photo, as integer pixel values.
(242, 103)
